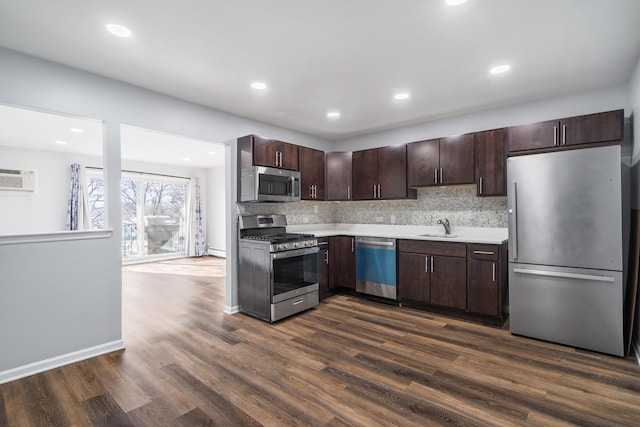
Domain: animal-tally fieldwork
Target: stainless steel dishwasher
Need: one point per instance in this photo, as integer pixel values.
(376, 268)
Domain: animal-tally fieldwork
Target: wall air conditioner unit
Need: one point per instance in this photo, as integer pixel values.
(17, 180)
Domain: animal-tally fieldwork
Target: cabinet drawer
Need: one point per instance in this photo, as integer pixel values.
(433, 248)
(476, 251)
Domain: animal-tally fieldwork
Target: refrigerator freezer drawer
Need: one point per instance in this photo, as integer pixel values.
(577, 307)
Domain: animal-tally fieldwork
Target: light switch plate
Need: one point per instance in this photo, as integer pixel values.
(379, 218)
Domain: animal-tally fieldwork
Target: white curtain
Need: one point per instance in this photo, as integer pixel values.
(196, 240)
(78, 204)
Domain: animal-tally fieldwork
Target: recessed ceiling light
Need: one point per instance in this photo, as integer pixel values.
(259, 85)
(76, 130)
(401, 95)
(333, 114)
(212, 152)
(499, 69)
(186, 159)
(455, 2)
(119, 30)
(61, 142)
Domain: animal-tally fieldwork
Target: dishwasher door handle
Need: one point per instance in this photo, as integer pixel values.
(374, 243)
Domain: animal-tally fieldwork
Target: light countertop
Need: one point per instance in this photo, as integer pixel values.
(486, 235)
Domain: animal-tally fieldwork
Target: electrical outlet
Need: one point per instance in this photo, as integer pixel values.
(379, 218)
(305, 220)
(392, 219)
(315, 208)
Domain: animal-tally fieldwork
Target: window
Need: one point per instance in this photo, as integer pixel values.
(154, 211)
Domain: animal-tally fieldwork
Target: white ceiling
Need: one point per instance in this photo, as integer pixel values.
(39, 130)
(350, 55)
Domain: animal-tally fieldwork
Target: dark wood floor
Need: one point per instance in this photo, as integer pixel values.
(349, 362)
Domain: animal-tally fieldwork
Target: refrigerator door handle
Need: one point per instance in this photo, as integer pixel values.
(513, 212)
(565, 275)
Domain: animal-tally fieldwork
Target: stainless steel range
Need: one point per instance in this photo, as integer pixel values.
(277, 271)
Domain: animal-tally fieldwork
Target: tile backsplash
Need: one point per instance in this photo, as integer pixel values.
(459, 204)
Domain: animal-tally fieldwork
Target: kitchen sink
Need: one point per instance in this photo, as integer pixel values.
(446, 236)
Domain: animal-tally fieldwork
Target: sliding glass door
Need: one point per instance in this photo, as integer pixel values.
(154, 213)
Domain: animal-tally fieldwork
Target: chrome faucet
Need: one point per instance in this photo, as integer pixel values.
(446, 225)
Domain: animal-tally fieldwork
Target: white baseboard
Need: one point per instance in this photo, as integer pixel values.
(232, 310)
(56, 362)
(217, 252)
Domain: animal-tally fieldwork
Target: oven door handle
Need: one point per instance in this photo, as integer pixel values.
(295, 252)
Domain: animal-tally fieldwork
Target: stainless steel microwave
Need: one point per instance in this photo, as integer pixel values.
(263, 184)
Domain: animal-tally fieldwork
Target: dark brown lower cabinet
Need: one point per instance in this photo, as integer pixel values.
(342, 262)
(449, 282)
(432, 273)
(465, 280)
(487, 273)
(323, 268)
(413, 277)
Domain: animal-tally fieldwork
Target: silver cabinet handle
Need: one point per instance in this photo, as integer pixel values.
(483, 252)
(379, 193)
(353, 245)
(432, 265)
(311, 191)
(441, 181)
(426, 264)
(481, 186)
(564, 275)
(326, 256)
(555, 136)
(298, 301)
(374, 191)
(281, 159)
(564, 134)
(348, 191)
(494, 271)
(435, 176)
(513, 212)
(276, 161)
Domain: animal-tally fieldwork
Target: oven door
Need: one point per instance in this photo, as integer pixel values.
(295, 273)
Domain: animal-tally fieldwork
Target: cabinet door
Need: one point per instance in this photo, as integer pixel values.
(342, 262)
(413, 277)
(456, 160)
(449, 282)
(265, 151)
(364, 174)
(491, 163)
(288, 156)
(338, 176)
(311, 164)
(392, 172)
(601, 127)
(348, 262)
(483, 287)
(423, 163)
(323, 268)
(533, 137)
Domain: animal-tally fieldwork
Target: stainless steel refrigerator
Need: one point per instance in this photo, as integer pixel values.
(566, 248)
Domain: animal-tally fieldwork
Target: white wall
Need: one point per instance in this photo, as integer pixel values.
(634, 97)
(44, 210)
(85, 275)
(216, 217)
(612, 98)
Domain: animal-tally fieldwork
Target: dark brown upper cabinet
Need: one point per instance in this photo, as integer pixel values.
(338, 175)
(570, 132)
(443, 161)
(311, 163)
(269, 152)
(381, 173)
(491, 162)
